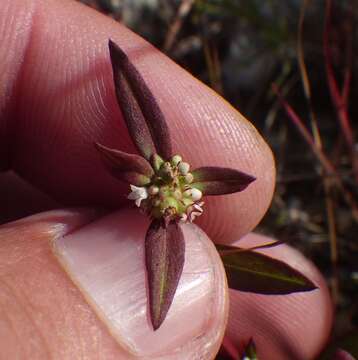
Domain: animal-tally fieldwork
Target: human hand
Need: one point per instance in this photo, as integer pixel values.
(56, 100)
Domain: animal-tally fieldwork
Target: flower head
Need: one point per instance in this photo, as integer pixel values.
(162, 184)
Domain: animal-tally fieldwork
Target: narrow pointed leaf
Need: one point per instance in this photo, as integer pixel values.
(226, 249)
(145, 121)
(164, 255)
(133, 117)
(130, 168)
(212, 180)
(254, 272)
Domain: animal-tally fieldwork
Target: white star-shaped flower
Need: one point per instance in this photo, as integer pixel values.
(138, 194)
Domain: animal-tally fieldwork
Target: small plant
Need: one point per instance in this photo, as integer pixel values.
(170, 193)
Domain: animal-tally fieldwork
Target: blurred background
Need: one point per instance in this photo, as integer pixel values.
(291, 68)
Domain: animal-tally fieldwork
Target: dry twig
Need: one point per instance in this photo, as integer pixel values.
(174, 29)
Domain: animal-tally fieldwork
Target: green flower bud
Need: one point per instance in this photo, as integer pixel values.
(189, 178)
(167, 170)
(153, 190)
(157, 162)
(195, 194)
(183, 168)
(176, 159)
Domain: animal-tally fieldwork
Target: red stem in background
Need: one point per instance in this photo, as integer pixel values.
(324, 160)
(340, 99)
(348, 69)
(328, 167)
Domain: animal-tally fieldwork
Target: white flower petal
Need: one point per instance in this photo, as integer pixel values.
(193, 215)
(194, 211)
(138, 201)
(138, 194)
(198, 207)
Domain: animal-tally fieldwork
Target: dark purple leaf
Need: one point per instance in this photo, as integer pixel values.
(145, 121)
(164, 255)
(130, 168)
(254, 272)
(212, 180)
(226, 249)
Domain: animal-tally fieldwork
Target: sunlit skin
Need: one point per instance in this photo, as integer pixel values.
(54, 98)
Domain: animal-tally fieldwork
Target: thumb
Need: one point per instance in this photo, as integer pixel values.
(74, 287)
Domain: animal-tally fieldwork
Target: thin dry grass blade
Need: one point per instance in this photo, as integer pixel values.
(304, 75)
(183, 10)
(327, 183)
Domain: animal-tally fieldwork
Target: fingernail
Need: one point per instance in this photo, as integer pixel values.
(105, 259)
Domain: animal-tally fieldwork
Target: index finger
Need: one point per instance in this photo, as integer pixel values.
(59, 99)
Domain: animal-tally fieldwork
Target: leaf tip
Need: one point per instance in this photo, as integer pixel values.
(213, 180)
(157, 322)
(246, 180)
(307, 284)
(102, 149)
(98, 146)
(250, 179)
(117, 55)
(310, 285)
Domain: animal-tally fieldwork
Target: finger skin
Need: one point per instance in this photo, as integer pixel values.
(57, 99)
(20, 199)
(294, 326)
(43, 315)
